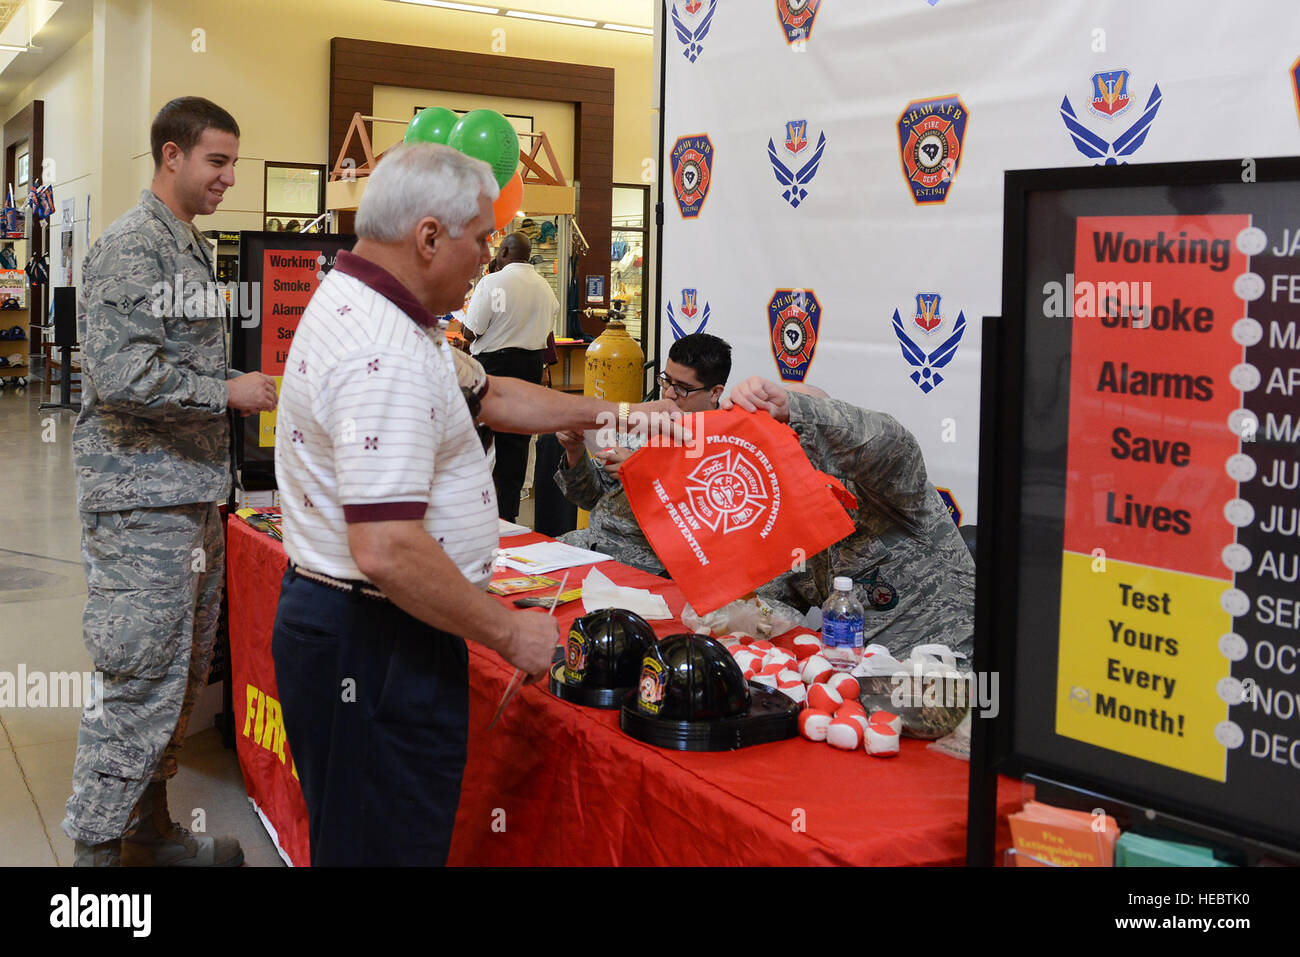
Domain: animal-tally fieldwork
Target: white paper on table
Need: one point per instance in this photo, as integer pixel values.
(545, 557)
(599, 592)
(506, 529)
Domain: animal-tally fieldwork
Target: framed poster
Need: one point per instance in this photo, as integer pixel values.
(293, 195)
(1139, 558)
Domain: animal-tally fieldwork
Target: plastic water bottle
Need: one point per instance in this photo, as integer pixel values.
(843, 626)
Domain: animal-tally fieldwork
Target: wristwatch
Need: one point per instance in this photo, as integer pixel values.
(624, 410)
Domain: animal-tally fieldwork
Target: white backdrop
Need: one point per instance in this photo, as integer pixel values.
(859, 240)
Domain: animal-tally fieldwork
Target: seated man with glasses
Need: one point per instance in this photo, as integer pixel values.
(694, 377)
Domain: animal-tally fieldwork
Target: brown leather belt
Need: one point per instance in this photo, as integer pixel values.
(364, 589)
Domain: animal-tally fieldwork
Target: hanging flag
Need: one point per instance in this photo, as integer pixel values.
(40, 200)
(736, 508)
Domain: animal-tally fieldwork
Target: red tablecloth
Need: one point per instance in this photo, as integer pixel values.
(555, 783)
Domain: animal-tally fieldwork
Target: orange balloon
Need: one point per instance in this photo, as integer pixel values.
(509, 201)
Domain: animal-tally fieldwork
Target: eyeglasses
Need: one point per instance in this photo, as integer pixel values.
(677, 388)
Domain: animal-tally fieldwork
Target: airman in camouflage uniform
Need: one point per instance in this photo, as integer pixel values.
(611, 527)
(910, 568)
(152, 454)
(694, 377)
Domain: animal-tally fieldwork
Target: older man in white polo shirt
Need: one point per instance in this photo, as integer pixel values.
(507, 321)
(390, 520)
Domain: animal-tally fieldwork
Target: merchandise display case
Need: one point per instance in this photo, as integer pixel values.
(629, 240)
(549, 235)
(627, 276)
(20, 331)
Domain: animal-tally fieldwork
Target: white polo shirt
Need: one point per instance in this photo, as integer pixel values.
(513, 308)
(372, 426)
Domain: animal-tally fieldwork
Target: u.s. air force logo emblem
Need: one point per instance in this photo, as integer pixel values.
(692, 168)
(727, 491)
(928, 320)
(796, 163)
(794, 316)
(930, 135)
(797, 18)
(1110, 98)
(690, 308)
(692, 31)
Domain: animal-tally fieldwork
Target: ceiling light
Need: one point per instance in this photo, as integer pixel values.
(571, 21)
(447, 4)
(12, 48)
(624, 28)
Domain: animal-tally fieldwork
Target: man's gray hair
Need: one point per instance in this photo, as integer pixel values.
(417, 180)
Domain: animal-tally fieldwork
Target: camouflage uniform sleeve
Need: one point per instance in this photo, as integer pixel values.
(470, 373)
(871, 449)
(123, 345)
(585, 484)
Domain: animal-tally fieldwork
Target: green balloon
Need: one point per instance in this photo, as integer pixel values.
(487, 135)
(431, 125)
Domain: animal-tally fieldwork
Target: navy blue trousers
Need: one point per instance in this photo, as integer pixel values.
(376, 709)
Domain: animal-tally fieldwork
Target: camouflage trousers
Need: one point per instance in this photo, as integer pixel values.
(154, 577)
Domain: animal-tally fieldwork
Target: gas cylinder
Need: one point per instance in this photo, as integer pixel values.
(615, 366)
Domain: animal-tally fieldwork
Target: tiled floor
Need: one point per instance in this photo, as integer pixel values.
(42, 591)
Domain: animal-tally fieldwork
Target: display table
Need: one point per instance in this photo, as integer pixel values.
(558, 784)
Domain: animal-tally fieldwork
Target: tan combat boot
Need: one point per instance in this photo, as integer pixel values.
(161, 842)
(107, 854)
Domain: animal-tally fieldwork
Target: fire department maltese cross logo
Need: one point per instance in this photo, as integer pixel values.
(928, 320)
(794, 317)
(797, 17)
(930, 137)
(727, 491)
(804, 161)
(1295, 83)
(692, 166)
